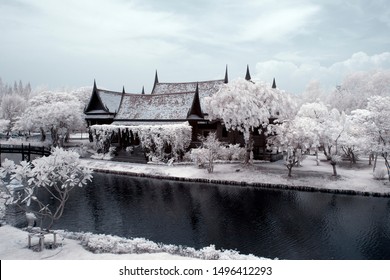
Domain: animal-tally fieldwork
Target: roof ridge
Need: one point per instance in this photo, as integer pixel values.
(196, 82)
(158, 94)
(109, 91)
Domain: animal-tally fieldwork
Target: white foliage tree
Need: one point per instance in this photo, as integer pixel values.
(354, 139)
(376, 121)
(296, 136)
(244, 105)
(335, 126)
(313, 93)
(357, 87)
(314, 126)
(56, 175)
(12, 107)
(4, 124)
(318, 115)
(57, 112)
(83, 94)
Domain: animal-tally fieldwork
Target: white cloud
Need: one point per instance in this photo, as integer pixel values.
(96, 26)
(280, 24)
(294, 77)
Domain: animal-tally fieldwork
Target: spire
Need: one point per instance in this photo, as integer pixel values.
(143, 90)
(195, 110)
(120, 103)
(274, 84)
(155, 82)
(95, 102)
(226, 80)
(248, 75)
(156, 78)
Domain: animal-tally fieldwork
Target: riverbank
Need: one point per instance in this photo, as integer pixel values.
(356, 179)
(88, 246)
(13, 244)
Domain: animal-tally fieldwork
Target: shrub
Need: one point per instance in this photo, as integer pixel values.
(379, 174)
(57, 175)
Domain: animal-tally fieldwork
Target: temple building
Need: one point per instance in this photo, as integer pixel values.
(169, 103)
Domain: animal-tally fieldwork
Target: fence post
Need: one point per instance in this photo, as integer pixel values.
(22, 152)
(0, 155)
(29, 153)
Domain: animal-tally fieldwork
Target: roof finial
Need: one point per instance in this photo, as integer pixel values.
(226, 80)
(274, 84)
(94, 84)
(248, 75)
(143, 90)
(156, 78)
(123, 90)
(195, 109)
(155, 82)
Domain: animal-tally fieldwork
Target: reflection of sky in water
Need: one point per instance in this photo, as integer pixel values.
(282, 224)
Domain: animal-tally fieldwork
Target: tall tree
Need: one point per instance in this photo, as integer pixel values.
(245, 105)
(357, 87)
(313, 93)
(296, 135)
(56, 112)
(12, 107)
(379, 125)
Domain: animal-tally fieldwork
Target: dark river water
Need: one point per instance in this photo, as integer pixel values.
(268, 223)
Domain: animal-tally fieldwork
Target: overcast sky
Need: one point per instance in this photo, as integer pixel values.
(122, 42)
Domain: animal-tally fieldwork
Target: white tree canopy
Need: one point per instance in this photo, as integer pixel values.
(357, 87)
(12, 107)
(244, 105)
(56, 112)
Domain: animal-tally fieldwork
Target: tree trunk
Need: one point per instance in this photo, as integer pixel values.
(353, 158)
(289, 167)
(334, 169)
(317, 158)
(375, 160)
(67, 136)
(387, 164)
(328, 153)
(248, 147)
(54, 136)
(43, 134)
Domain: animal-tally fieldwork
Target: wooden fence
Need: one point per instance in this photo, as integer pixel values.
(24, 150)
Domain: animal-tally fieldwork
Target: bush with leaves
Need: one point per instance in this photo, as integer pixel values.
(208, 153)
(56, 175)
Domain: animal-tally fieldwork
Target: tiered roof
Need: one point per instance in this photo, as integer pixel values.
(152, 108)
(205, 88)
(208, 87)
(172, 106)
(111, 100)
(103, 101)
(168, 102)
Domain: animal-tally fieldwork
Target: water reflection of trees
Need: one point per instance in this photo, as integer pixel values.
(283, 224)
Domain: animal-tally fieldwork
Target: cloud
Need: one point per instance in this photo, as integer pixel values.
(294, 77)
(279, 24)
(96, 26)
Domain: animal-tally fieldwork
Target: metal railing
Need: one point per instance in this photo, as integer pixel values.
(25, 150)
